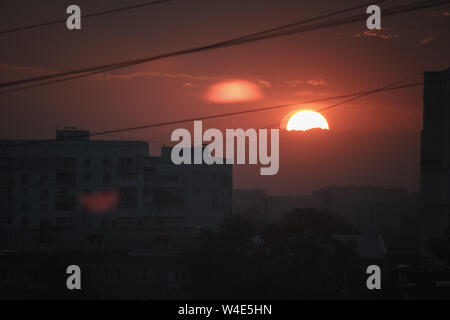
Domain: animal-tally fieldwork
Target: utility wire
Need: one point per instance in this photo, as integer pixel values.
(232, 42)
(390, 85)
(349, 19)
(96, 14)
(241, 38)
(362, 95)
(296, 24)
(248, 111)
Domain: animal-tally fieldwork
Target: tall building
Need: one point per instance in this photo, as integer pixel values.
(123, 216)
(58, 180)
(435, 156)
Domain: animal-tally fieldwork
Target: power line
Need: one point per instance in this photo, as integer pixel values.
(46, 83)
(346, 20)
(362, 95)
(95, 14)
(241, 38)
(390, 85)
(296, 24)
(248, 111)
(79, 73)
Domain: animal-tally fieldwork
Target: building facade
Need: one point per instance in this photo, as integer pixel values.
(75, 181)
(435, 157)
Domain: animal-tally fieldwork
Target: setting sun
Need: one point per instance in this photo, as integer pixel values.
(305, 120)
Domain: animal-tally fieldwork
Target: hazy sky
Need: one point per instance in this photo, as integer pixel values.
(291, 69)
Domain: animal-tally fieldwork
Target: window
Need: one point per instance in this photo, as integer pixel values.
(226, 181)
(6, 220)
(87, 163)
(127, 206)
(64, 191)
(5, 191)
(112, 274)
(44, 179)
(66, 163)
(44, 163)
(24, 207)
(169, 178)
(87, 178)
(65, 206)
(24, 179)
(106, 178)
(128, 191)
(27, 163)
(65, 179)
(7, 275)
(5, 162)
(106, 163)
(125, 161)
(161, 241)
(144, 274)
(63, 221)
(44, 194)
(33, 276)
(125, 221)
(215, 201)
(176, 276)
(128, 177)
(24, 222)
(95, 241)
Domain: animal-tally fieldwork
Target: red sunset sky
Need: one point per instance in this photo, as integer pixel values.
(374, 140)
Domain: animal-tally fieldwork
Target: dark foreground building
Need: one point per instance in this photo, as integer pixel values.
(122, 216)
(435, 157)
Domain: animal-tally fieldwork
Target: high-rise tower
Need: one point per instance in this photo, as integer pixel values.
(435, 157)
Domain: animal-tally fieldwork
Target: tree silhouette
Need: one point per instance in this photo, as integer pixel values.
(299, 258)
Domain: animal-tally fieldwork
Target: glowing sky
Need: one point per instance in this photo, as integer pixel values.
(291, 69)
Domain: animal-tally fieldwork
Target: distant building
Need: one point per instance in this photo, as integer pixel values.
(386, 208)
(46, 180)
(435, 156)
(393, 211)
